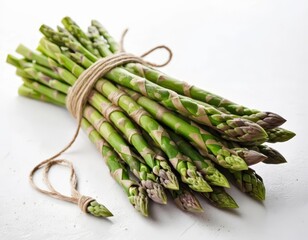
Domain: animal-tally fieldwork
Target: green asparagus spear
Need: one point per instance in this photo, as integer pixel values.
(135, 193)
(160, 168)
(248, 181)
(186, 200)
(183, 198)
(236, 128)
(249, 155)
(186, 169)
(23, 90)
(199, 137)
(148, 180)
(273, 156)
(220, 198)
(212, 175)
(265, 119)
(142, 172)
(279, 135)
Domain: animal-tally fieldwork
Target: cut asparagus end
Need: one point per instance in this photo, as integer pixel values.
(250, 156)
(19, 63)
(187, 201)
(243, 130)
(196, 182)
(279, 135)
(139, 200)
(229, 160)
(273, 156)
(168, 179)
(220, 198)
(216, 178)
(98, 210)
(155, 191)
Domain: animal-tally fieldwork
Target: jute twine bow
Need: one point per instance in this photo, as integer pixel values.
(76, 99)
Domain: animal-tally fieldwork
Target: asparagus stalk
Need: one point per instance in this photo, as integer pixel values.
(267, 120)
(51, 93)
(211, 174)
(160, 168)
(220, 198)
(23, 90)
(148, 180)
(186, 169)
(157, 132)
(249, 155)
(46, 79)
(183, 197)
(141, 171)
(202, 139)
(135, 193)
(236, 128)
(255, 154)
(97, 103)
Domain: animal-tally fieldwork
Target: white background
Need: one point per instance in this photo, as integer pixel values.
(253, 52)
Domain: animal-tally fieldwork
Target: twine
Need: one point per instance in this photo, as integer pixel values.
(76, 99)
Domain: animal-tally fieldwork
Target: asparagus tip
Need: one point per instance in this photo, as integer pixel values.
(218, 179)
(251, 157)
(245, 131)
(98, 210)
(228, 159)
(168, 179)
(155, 191)
(279, 135)
(220, 198)
(197, 183)
(259, 192)
(273, 156)
(188, 202)
(139, 200)
(271, 120)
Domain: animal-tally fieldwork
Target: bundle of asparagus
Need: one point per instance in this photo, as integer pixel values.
(168, 134)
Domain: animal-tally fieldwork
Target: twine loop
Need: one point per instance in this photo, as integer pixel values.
(81, 200)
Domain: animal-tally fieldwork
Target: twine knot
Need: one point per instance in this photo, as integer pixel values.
(83, 202)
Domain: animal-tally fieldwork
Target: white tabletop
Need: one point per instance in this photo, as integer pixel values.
(253, 52)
